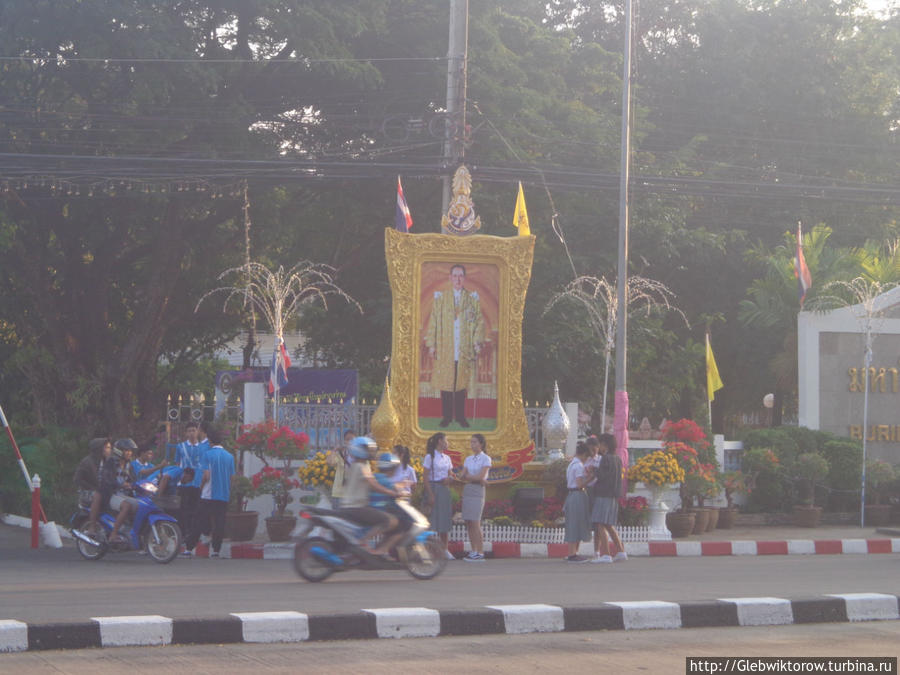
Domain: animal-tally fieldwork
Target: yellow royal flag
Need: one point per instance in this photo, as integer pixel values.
(520, 219)
(713, 381)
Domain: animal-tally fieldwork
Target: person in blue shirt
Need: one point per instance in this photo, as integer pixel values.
(188, 455)
(217, 469)
(170, 477)
(143, 466)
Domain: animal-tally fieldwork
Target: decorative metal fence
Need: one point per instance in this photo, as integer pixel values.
(539, 535)
(324, 422)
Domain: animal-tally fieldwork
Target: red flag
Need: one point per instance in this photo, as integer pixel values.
(281, 361)
(403, 220)
(801, 271)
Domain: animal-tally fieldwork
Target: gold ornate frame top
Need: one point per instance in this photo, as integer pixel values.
(513, 257)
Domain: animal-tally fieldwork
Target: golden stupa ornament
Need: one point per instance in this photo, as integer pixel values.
(385, 421)
(460, 217)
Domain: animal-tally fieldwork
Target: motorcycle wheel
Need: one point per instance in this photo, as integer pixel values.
(426, 559)
(166, 549)
(307, 564)
(89, 552)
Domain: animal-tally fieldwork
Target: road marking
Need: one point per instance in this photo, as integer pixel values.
(762, 611)
(127, 631)
(400, 622)
(274, 626)
(531, 618)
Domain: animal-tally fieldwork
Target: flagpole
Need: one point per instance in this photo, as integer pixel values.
(708, 400)
(620, 420)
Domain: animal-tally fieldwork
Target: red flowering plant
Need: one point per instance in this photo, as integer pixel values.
(686, 440)
(687, 431)
(550, 510)
(497, 508)
(267, 440)
(633, 511)
(275, 482)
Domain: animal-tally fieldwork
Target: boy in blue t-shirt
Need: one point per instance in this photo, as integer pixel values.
(189, 455)
(142, 466)
(217, 472)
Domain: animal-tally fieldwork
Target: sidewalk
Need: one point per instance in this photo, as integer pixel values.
(755, 540)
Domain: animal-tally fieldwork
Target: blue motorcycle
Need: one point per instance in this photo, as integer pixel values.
(152, 530)
(339, 546)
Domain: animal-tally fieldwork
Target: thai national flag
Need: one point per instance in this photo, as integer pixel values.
(801, 271)
(402, 221)
(280, 363)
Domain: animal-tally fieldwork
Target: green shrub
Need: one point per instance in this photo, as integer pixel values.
(879, 476)
(53, 457)
(844, 475)
(808, 470)
(765, 480)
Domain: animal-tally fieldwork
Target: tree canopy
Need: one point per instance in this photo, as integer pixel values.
(130, 133)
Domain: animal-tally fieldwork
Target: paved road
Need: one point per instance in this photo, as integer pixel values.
(617, 652)
(54, 585)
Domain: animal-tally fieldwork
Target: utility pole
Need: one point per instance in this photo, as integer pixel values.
(455, 125)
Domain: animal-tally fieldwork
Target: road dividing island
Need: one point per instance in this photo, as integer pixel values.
(415, 622)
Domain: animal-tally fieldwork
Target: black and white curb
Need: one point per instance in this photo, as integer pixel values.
(406, 622)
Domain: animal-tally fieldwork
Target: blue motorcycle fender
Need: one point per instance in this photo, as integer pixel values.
(156, 517)
(426, 535)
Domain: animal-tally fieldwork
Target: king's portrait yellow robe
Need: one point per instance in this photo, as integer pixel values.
(440, 336)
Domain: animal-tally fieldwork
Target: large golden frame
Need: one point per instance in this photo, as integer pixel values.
(512, 256)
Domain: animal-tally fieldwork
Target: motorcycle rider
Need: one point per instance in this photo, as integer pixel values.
(115, 485)
(387, 464)
(360, 483)
(85, 477)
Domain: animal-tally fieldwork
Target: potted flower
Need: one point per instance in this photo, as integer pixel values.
(316, 474)
(275, 482)
(268, 441)
(879, 475)
(240, 524)
(658, 470)
(733, 483)
(808, 468)
(700, 484)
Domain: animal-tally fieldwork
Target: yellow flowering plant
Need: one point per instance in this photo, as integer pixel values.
(657, 468)
(316, 472)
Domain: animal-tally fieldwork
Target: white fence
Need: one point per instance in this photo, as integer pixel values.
(539, 535)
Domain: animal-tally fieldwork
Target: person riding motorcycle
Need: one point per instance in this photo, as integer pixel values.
(85, 477)
(360, 483)
(386, 465)
(114, 485)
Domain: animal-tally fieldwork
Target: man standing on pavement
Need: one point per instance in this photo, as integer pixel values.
(188, 455)
(454, 337)
(217, 471)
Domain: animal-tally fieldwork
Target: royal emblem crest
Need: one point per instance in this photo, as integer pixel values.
(460, 217)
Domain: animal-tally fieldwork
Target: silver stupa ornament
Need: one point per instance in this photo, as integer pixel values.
(555, 427)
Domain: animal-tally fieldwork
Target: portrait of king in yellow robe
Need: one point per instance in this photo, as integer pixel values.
(454, 337)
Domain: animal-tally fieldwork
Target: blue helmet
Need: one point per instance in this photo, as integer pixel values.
(363, 447)
(387, 461)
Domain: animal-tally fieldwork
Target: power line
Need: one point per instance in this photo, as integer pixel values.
(22, 170)
(60, 59)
